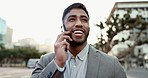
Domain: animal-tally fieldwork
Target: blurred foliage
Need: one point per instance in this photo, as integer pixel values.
(115, 25)
(24, 53)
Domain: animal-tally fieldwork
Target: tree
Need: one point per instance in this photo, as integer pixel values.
(18, 53)
(116, 25)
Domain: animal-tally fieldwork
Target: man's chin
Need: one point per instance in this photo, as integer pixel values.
(76, 43)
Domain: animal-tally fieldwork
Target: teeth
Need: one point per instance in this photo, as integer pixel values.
(78, 32)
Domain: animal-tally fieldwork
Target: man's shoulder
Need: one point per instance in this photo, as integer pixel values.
(108, 59)
(102, 54)
(105, 55)
(48, 55)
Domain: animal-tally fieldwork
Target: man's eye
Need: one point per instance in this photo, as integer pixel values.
(72, 19)
(84, 20)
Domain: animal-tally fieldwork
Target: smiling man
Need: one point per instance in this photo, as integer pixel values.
(79, 60)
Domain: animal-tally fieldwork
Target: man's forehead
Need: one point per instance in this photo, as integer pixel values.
(76, 12)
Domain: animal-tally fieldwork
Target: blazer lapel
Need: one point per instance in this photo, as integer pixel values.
(93, 63)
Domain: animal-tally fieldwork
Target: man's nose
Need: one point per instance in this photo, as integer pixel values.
(78, 24)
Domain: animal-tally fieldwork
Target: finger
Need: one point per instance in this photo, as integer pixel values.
(62, 37)
(66, 33)
(64, 44)
(67, 38)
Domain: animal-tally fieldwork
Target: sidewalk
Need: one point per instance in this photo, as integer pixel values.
(137, 73)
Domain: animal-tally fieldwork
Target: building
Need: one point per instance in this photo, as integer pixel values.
(32, 43)
(8, 36)
(26, 42)
(5, 33)
(3, 29)
(137, 8)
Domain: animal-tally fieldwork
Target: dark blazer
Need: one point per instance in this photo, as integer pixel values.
(100, 65)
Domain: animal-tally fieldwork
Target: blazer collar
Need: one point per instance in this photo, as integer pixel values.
(93, 63)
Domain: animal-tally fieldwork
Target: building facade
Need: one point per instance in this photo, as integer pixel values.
(137, 8)
(5, 33)
(3, 29)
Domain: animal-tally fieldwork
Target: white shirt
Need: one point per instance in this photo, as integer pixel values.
(76, 66)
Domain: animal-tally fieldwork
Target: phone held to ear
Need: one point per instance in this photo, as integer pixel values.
(64, 29)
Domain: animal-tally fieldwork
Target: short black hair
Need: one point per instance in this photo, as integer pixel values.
(72, 6)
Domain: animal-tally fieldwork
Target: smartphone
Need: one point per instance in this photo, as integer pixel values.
(64, 29)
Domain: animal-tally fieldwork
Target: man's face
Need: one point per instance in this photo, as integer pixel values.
(77, 22)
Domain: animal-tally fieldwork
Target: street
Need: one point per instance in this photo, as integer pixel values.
(10, 72)
(7, 72)
(137, 73)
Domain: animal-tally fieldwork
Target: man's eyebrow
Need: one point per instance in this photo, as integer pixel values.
(71, 16)
(84, 16)
(80, 16)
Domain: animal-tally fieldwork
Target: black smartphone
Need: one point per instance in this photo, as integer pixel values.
(64, 29)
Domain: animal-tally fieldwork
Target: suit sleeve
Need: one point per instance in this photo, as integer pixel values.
(119, 71)
(46, 68)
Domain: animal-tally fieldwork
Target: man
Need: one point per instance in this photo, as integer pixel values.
(73, 57)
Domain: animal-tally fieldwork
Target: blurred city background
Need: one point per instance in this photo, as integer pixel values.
(124, 34)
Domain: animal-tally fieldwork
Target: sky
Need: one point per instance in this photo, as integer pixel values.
(41, 19)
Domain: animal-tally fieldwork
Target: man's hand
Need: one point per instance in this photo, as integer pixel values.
(59, 48)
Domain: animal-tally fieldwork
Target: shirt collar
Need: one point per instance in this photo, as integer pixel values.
(82, 55)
